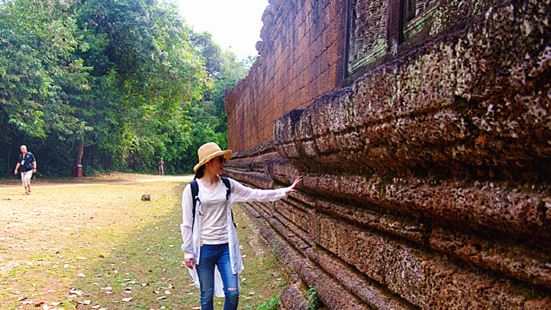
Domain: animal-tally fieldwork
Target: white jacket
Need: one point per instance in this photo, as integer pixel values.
(191, 240)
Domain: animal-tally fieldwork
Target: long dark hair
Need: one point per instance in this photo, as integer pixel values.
(200, 172)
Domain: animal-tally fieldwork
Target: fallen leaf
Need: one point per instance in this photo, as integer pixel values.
(22, 298)
(127, 299)
(74, 291)
(161, 297)
(84, 302)
(167, 292)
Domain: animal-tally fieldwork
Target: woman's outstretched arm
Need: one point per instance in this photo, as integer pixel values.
(243, 193)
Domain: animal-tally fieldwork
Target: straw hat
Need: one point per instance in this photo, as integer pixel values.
(209, 151)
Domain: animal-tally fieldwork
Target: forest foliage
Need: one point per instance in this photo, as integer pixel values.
(126, 79)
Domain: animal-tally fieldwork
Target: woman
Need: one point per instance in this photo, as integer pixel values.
(210, 238)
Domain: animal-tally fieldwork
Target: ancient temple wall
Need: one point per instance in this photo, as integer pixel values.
(301, 58)
(425, 163)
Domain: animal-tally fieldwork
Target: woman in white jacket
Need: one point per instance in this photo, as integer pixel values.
(210, 242)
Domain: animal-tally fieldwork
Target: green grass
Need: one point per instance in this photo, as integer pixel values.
(270, 304)
(314, 302)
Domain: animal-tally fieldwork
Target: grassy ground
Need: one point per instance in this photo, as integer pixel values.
(96, 245)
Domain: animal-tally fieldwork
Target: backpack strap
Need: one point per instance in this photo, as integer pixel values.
(195, 197)
(228, 186)
(228, 192)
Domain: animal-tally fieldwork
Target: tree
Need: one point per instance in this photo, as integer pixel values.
(37, 66)
(144, 47)
(122, 82)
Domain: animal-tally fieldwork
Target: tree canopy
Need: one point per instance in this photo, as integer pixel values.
(127, 80)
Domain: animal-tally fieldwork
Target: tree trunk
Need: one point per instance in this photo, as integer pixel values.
(78, 165)
(80, 153)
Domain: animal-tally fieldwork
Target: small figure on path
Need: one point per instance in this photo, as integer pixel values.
(208, 231)
(27, 166)
(161, 166)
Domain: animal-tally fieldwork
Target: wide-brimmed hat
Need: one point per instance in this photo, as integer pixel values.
(209, 151)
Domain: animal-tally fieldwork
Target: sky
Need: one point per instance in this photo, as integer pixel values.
(234, 24)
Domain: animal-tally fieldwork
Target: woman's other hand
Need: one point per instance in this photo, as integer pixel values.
(190, 262)
(294, 185)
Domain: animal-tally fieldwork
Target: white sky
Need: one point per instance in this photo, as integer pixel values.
(234, 24)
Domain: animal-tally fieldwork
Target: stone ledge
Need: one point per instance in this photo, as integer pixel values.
(491, 252)
(481, 114)
(398, 272)
(494, 206)
(425, 279)
(504, 207)
(332, 293)
(292, 298)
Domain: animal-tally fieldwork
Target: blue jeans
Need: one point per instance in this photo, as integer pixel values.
(217, 255)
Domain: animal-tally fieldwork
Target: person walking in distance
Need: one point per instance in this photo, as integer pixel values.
(27, 166)
(209, 234)
(161, 166)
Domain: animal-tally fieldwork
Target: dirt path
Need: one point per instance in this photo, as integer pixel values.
(117, 178)
(96, 244)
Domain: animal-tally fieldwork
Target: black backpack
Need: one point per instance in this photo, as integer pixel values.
(195, 195)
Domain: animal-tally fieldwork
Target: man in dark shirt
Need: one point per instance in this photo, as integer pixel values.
(27, 163)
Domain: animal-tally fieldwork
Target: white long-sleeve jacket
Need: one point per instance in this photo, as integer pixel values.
(191, 240)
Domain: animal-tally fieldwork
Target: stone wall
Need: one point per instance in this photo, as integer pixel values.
(426, 175)
(301, 58)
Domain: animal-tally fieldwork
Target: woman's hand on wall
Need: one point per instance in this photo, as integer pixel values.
(294, 185)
